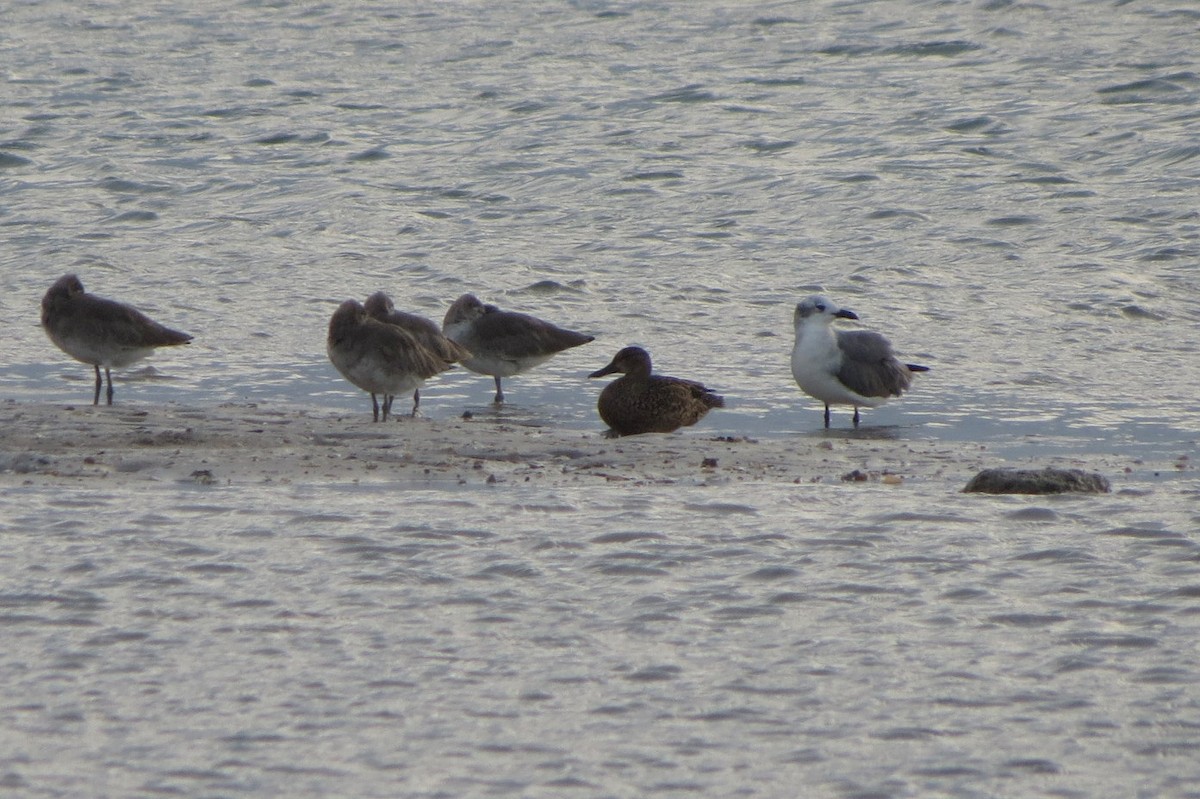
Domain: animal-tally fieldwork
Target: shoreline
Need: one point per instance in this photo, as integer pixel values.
(245, 444)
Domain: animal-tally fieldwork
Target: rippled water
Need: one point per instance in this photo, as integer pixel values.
(1008, 190)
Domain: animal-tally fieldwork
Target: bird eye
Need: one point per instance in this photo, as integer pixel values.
(820, 307)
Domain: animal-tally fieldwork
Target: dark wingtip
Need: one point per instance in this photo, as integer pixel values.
(916, 367)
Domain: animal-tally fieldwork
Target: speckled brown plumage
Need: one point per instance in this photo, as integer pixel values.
(642, 402)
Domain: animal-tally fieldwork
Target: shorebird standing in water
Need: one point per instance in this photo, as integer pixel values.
(379, 306)
(846, 367)
(101, 332)
(504, 343)
(641, 402)
(379, 358)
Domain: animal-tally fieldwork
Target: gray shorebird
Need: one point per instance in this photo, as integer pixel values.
(642, 402)
(504, 343)
(379, 306)
(100, 332)
(379, 358)
(845, 367)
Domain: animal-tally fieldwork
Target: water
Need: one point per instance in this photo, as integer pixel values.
(1007, 190)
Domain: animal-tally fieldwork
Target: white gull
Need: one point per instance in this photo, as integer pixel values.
(844, 367)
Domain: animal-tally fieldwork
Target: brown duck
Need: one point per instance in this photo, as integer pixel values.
(641, 402)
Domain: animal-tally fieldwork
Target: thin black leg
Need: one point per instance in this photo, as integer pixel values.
(108, 375)
(416, 400)
(855, 417)
(99, 382)
(387, 405)
(374, 409)
(826, 417)
(499, 392)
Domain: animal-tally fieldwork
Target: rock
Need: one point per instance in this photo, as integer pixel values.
(1037, 481)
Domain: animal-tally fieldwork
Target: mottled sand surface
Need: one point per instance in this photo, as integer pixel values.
(232, 444)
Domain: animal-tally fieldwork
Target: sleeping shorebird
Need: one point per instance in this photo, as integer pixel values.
(379, 306)
(641, 402)
(847, 367)
(378, 357)
(504, 343)
(101, 332)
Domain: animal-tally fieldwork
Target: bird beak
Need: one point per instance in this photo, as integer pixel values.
(845, 314)
(608, 370)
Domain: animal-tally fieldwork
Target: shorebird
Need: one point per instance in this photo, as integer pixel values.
(101, 332)
(379, 306)
(504, 343)
(378, 357)
(641, 402)
(846, 367)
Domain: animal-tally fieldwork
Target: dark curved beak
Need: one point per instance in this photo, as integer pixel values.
(608, 370)
(846, 314)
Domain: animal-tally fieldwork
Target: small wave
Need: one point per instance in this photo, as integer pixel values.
(9, 161)
(134, 216)
(1112, 641)
(685, 94)
(942, 49)
(1027, 619)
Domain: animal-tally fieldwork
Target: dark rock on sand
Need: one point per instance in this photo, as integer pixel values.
(1037, 481)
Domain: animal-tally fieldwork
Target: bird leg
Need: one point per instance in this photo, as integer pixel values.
(826, 416)
(99, 382)
(499, 392)
(855, 417)
(416, 401)
(108, 374)
(374, 409)
(387, 405)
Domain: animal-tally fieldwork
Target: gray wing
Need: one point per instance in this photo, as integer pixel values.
(426, 332)
(120, 324)
(518, 335)
(869, 367)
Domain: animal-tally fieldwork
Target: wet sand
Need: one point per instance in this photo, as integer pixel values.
(246, 444)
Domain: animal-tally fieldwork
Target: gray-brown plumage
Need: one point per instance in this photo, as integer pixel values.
(504, 343)
(378, 357)
(103, 333)
(642, 402)
(379, 306)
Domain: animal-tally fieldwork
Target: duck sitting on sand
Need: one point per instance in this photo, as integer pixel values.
(641, 402)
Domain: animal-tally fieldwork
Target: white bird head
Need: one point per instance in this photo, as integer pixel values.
(820, 308)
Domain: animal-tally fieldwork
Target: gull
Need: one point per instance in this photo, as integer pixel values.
(379, 306)
(846, 367)
(378, 357)
(504, 343)
(642, 402)
(101, 332)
